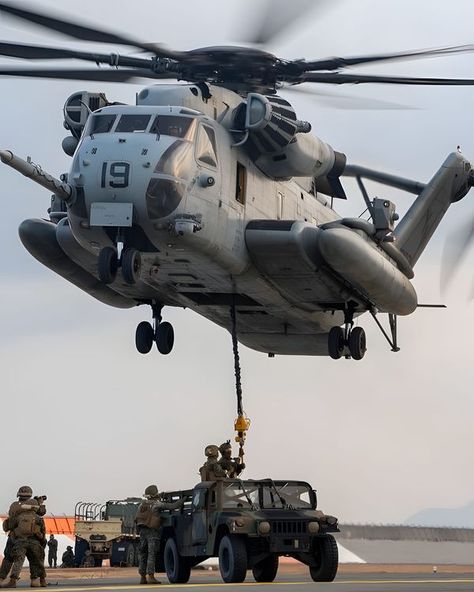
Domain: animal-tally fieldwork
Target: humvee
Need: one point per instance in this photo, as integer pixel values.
(248, 524)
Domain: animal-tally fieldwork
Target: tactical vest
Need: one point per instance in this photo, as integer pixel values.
(146, 517)
(22, 519)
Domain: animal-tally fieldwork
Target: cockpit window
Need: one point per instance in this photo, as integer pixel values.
(206, 151)
(100, 124)
(133, 123)
(173, 125)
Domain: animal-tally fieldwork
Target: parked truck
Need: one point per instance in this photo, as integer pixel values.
(108, 531)
(247, 524)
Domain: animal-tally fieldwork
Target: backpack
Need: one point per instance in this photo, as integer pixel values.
(25, 525)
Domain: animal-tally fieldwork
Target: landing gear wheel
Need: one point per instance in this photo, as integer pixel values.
(107, 265)
(357, 343)
(327, 560)
(233, 559)
(336, 343)
(131, 265)
(144, 337)
(164, 338)
(177, 568)
(266, 570)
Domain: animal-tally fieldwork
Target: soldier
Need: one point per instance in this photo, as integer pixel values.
(52, 551)
(7, 562)
(232, 466)
(68, 559)
(28, 535)
(211, 470)
(148, 523)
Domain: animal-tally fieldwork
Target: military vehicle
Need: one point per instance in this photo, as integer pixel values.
(108, 531)
(248, 524)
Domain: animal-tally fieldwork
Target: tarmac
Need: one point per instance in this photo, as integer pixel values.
(355, 578)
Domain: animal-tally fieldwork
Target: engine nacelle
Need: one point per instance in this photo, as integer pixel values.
(281, 146)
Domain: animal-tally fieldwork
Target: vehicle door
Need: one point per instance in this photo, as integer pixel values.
(200, 518)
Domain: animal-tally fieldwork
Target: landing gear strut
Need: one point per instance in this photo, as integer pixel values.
(349, 342)
(161, 333)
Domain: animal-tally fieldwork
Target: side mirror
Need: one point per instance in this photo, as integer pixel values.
(314, 498)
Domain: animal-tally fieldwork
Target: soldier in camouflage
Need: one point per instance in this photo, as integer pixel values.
(27, 531)
(148, 521)
(211, 469)
(7, 562)
(232, 466)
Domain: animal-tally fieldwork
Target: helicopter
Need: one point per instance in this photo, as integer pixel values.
(211, 193)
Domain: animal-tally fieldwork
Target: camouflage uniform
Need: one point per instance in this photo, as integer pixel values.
(231, 466)
(211, 470)
(28, 536)
(148, 523)
(7, 562)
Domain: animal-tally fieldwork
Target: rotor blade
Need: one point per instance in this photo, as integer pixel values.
(37, 52)
(338, 101)
(455, 250)
(336, 78)
(277, 16)
(82, 32)
(93, 75)
(335, 63)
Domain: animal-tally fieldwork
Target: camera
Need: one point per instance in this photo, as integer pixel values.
(40, 498)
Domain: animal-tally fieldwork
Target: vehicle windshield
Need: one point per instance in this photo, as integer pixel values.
(267, 495)
(160, 125)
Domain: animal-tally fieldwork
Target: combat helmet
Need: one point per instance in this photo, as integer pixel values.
(24, 491)
(225, 446)
(211, 450)
(151, 491)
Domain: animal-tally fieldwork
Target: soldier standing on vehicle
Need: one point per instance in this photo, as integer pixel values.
(52, 551)
(28, 534)
(148, 521)
(232, 466)
(211, 470)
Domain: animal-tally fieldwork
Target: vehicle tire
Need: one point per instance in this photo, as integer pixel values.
(107, 265)
(131, 265)
(144, 337)
(130, 555)
(98, 561)
(357, 343)
(178, 570)
(233, 559)
(327, 557)
(336, 343)
(164, 338)
(266, 570)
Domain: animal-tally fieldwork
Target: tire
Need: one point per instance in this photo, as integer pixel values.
(107, 265)
(131, 265)
(357, 343)
(233, 559)
(144, 337)
(327, 557)
(178, 570)
(266, 570)
(165, 338)
(336, 343)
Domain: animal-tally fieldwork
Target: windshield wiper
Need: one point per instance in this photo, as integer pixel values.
(282, 499)
(252, 505)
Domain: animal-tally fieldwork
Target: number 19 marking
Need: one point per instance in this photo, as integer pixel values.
(115, 174)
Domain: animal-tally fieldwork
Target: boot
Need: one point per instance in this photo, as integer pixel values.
(35, 583)
(11, 583)
(43, 582)
(143, 579)
(150, 579)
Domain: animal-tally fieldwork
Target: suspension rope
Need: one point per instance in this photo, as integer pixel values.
(235, 347)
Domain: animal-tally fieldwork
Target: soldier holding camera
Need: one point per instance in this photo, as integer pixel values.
(27, 535)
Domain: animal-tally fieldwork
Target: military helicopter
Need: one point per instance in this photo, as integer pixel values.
(211, 193)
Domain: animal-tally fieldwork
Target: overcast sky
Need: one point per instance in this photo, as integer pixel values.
(85, 417)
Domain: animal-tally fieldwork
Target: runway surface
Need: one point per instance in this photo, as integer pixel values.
(297, 582)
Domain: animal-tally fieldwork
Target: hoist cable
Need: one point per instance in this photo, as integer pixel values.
(235, 347)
